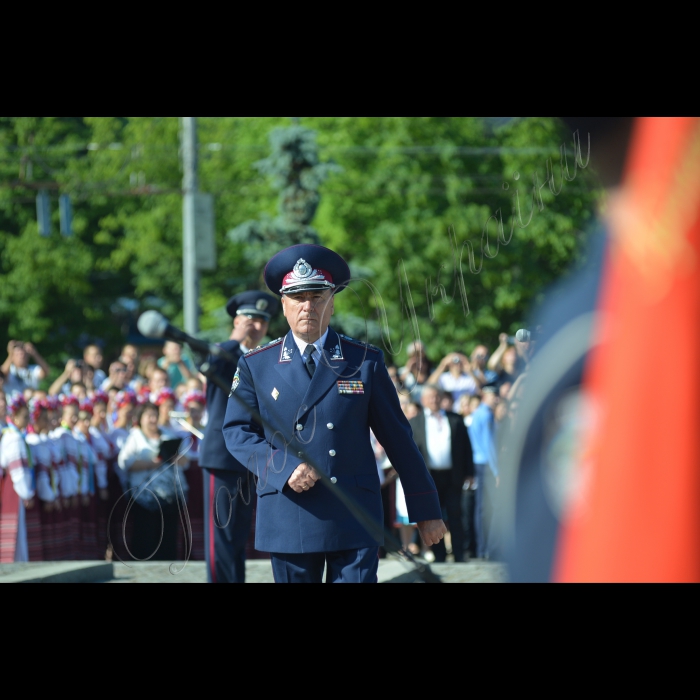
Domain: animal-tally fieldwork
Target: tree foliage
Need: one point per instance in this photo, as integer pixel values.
(293, 169)
(411, 205)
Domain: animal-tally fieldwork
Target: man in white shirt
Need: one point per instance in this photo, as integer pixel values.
(443, 441)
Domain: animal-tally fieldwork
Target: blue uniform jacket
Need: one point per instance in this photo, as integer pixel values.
(329, 419)
(213, 453)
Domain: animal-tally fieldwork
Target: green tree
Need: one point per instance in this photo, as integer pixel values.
(411, 191)
(415, 196)
(295, 171)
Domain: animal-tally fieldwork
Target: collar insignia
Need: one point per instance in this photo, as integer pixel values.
(286, 353)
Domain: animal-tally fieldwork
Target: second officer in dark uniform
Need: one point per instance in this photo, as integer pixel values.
(228, 487)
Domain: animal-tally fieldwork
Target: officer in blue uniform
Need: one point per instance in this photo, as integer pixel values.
(320, 393)
(229, 489)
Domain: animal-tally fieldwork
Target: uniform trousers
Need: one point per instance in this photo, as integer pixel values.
(229, 498)
(349, 566)
(450, 495)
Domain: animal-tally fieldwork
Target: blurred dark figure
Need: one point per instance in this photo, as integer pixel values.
(532, 495)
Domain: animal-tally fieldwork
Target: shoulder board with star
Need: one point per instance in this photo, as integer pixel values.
(359, 343)
(267, 346)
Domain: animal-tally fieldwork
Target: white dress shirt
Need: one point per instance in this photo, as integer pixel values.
(438, 438)
(302, 345)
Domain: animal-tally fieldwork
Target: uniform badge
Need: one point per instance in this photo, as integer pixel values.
(275, 394)
(336, 353)
(302, 269)
(351, 388)
(236, 382)
(286, 354)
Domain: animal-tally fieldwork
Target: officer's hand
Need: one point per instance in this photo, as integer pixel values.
(432, 531)
(303, 479)
(241, 331)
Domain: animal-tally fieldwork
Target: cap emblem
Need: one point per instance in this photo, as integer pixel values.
(304, 274)
(302, 270)
(261, 305)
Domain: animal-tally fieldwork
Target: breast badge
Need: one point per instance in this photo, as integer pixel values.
(351, 387)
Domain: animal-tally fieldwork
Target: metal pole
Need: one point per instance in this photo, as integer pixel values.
(189, 262)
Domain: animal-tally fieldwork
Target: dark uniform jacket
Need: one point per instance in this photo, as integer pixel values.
(327, 419)
(213, 453)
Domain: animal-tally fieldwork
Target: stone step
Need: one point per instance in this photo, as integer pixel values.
(57, 572)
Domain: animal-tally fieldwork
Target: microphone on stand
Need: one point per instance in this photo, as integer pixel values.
(154, 325)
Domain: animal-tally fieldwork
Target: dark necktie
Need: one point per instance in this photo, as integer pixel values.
(309, 362)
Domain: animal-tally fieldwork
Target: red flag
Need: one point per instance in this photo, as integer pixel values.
(636, 515)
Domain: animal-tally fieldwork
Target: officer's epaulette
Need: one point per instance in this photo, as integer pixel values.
(359, 343)
(267, 346)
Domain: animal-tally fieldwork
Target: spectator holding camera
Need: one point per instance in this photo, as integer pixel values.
(72, 374)
(459, 375)
(507, 361)
(179, 368)
(480, 370)
(454, 374)
(19, 374)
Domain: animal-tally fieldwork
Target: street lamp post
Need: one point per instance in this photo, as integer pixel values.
(190, 188)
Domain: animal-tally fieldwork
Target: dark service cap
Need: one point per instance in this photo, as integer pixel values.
(260, 304)
(306, 268)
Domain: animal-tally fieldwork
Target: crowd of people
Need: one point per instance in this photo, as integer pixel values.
(455, 409)
(84, 473)
(84, 470)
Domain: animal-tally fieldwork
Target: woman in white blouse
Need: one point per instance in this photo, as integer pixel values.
(157, 489)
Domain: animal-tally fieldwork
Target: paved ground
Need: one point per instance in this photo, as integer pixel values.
(390, 571)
